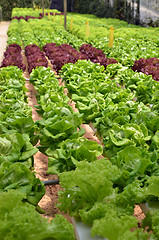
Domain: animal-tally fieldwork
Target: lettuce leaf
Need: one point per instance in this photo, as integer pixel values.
(72, 152)
(19, 220)
(18, 176)
(88, 184)
(16, 147)
(113, 227)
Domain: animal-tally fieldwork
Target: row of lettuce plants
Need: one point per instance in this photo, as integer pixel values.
(41, 15)
(95, 94)
(148, 66)
(13, 33)
(129, 39)
(100, 191)
(35, 57)
(104, 193)
(41, 32)
(13, 57)
(15, 118)
(20, 190)
(59, 55)
(96, 193)
(64, 53)
(59, 130)
(130, 42)
(24, 12)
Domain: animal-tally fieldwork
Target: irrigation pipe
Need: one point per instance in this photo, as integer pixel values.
(51, 182)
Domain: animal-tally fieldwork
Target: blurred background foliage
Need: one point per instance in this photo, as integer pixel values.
(127, 10)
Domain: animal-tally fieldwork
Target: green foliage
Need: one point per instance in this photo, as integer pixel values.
(59, 128)
(15, 113)
(105, 9)
(16, 147)
(18, 176)
(89, 183)
(89, 192)
(7, 6)
(19, 220)
(99, 8)
(119, 9)
(151, 221)
(39, 3)
(112, 227)
(72, 152)
(19, 187)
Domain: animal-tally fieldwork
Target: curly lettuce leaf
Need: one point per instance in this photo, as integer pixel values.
(88, 184)
(19, 220)
(113, 227)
